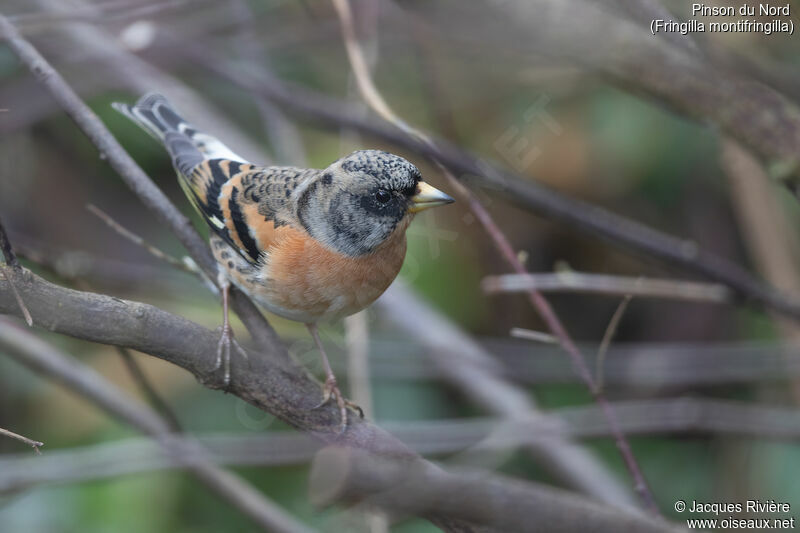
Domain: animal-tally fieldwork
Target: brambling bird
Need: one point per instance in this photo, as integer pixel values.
(307, 244)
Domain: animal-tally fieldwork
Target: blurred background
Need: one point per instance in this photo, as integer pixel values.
(707, 390)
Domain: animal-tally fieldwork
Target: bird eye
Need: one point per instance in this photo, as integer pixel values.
(383, 196)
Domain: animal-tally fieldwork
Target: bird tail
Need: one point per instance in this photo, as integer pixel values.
(187, 146)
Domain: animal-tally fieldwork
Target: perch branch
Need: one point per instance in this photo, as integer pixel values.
(271, 384)
(44, 359)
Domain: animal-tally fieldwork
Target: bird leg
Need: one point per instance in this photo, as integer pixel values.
(226, 338)
(331, 389)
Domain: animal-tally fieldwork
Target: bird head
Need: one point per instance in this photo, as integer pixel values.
(359, 201)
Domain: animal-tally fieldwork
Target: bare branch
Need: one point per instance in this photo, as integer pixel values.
(271, 384)
(532, 335)
(135, 239)
(44, 359)
(582, 282)
(35, 444)
(342, 474)
(611, 330)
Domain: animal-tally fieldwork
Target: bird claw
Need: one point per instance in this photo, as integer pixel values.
(226, 340)
(331, 390)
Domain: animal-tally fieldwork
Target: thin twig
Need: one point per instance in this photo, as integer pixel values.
(582, 282)
(608, 336)
(532, 335)
(135, 239)
(152, 395)
(35, 444)
(379, 105)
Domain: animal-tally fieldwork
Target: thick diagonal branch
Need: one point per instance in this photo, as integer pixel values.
(44, 359)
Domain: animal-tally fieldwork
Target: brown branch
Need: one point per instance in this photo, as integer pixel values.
(46, 360)
(349, 475)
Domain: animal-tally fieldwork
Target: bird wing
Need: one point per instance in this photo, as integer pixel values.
(244, 204)
(241, 202)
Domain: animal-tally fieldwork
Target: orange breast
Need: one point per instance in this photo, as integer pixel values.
(303, 280)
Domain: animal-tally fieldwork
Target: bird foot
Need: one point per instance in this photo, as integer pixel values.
(226, 340)
(331, 391)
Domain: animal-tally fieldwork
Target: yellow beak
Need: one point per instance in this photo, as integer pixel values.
(428, 197)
